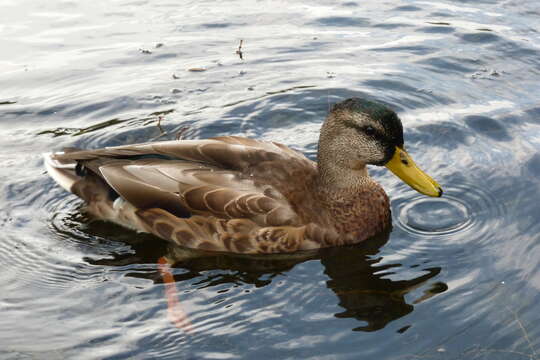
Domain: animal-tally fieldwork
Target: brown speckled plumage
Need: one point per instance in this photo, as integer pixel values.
(239, 195)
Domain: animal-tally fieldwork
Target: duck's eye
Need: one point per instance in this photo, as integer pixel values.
(369, 130)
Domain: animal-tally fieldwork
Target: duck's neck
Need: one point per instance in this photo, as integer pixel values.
(336, 170)
(358, 206)
(355, 206)
(341, 177)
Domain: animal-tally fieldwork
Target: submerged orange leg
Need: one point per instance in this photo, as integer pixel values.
(176, 314)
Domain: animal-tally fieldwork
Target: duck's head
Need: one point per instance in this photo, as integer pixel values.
(359, 132)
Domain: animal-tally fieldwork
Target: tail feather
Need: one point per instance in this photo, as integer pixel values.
(96, 193)
(63, 172)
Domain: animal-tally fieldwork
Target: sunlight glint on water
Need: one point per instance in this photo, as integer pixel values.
(458, 277)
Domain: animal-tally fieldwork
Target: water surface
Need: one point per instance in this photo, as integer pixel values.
(457, 277)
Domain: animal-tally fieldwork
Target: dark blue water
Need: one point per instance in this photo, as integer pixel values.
(457, 278)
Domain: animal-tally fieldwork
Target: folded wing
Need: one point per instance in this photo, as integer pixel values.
(226, 177)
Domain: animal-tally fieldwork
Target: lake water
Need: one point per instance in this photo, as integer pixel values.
(457, 278)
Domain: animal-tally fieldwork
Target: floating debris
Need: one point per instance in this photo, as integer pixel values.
(197, 69)
(175, 77)
(144, 51)
(485, 73)
(330, 74)
(158, 45)
(239, 51)
(251, 88)
(7, 102)
(175, 91)
(425, 91)
(160, 117)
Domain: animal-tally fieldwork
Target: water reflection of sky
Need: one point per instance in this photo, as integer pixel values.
(463, 77)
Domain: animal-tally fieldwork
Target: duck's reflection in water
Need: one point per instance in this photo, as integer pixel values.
(364, 290)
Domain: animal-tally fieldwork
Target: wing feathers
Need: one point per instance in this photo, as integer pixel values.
(224, 152)
(229, 187)
(184, 188)
(139, 193)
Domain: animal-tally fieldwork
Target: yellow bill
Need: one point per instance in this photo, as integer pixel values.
(403, 166)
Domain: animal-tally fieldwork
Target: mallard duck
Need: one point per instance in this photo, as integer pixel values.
(234, 194)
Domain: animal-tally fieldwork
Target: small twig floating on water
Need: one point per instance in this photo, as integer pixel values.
(239, 51)
(159, 125)
(161, 131)
(180, 134)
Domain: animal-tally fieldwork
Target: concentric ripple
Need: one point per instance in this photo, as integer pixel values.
(436, 216)
(463, 209)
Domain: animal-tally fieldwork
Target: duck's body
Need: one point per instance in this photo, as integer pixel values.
(241, 195)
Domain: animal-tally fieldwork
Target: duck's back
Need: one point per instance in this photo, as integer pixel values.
(229, 187)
